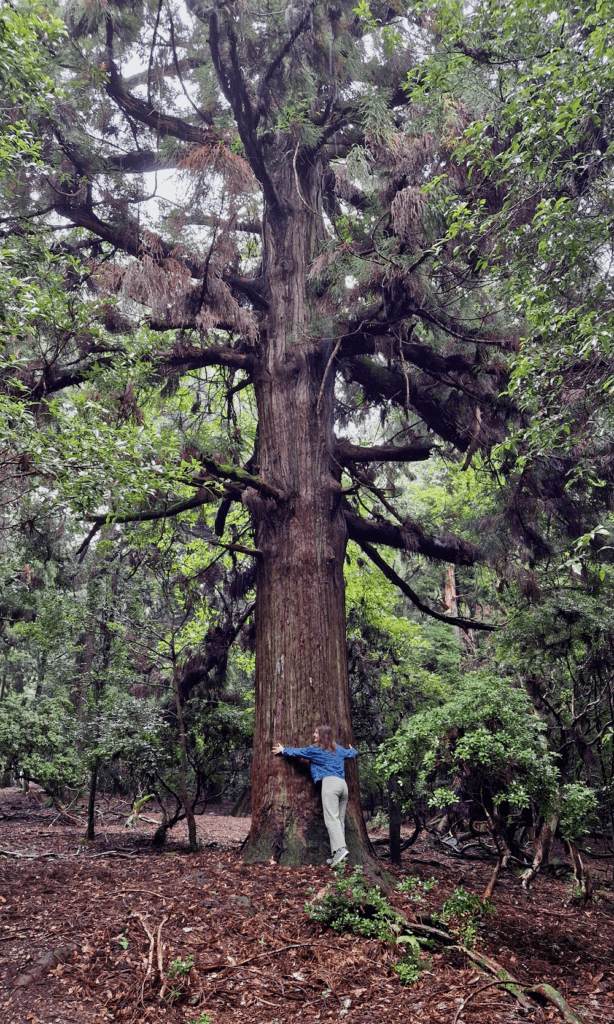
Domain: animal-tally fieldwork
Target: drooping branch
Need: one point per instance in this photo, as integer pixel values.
(404, 587)
(409, 537)
(346, 452)
(383, 384)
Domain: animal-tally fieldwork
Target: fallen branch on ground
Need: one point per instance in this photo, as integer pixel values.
(537, 992)
(28, 856)
(56, 956)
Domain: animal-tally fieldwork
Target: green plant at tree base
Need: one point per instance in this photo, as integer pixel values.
(415, 887)
(350, 904)
(462, 913)
(205, 1018)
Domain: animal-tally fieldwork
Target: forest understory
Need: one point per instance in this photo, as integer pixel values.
(114, 930)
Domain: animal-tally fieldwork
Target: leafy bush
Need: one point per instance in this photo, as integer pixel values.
(484, 745)
(416, 888)
(352, 905)
(578, 809)
(461, 913)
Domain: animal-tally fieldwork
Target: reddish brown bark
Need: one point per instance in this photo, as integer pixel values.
(301, 665)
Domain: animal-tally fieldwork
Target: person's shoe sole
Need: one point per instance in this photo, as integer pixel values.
(338, 858)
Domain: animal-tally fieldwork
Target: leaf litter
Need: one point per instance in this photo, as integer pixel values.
(114, 930)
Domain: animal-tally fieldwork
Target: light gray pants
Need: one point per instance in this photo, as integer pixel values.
(334, 803)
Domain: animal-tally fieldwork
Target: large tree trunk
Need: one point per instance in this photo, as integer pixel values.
(301, 662)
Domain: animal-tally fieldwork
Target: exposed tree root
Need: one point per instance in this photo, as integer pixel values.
(543, 844)
(550, 994)
(472, 995)
(35, 973)
(540, 992)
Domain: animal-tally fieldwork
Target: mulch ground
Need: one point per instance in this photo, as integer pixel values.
(87, 930)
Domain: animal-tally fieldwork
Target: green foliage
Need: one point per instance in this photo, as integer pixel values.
(179, 968)
(27, 32)
(462, 913)
(416, 888)
(409, 966)
(578, 809)
(38, 737)
(485, 742)
(350, 904)
(178, 974)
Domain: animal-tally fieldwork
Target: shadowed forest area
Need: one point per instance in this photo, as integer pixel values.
(306, 375)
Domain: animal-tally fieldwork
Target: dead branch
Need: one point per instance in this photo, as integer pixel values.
(159, 952)
(152, 942)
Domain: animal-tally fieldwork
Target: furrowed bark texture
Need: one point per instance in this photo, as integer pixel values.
(301, 665)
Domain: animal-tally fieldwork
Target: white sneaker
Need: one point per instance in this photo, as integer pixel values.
(338, 856)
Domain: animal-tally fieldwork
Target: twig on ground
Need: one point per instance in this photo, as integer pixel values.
(152, 941)
(160, 960)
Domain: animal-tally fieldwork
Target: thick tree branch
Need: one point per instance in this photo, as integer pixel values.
(404, 587)
(145, 112)
(235, 90)
(382, 384)
(346, 452)
(409, 537)
(196, 359)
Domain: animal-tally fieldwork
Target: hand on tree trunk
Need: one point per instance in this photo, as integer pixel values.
(277, 748)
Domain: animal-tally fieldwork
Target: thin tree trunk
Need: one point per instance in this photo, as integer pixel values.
(183, 770)
(584, 886)
(394, 821)
(543, 844)
(502, 862)
(91, 801)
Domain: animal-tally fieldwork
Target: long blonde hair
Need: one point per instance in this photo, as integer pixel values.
(326, 740)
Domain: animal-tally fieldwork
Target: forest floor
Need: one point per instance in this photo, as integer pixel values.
(87, 930)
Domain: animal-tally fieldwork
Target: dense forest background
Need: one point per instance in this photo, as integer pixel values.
(458, 285)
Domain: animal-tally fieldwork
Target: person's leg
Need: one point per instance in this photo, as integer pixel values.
(343, 802)
(333, 790)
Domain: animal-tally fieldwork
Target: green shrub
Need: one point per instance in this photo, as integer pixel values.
(462, 913)
(351, 905)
